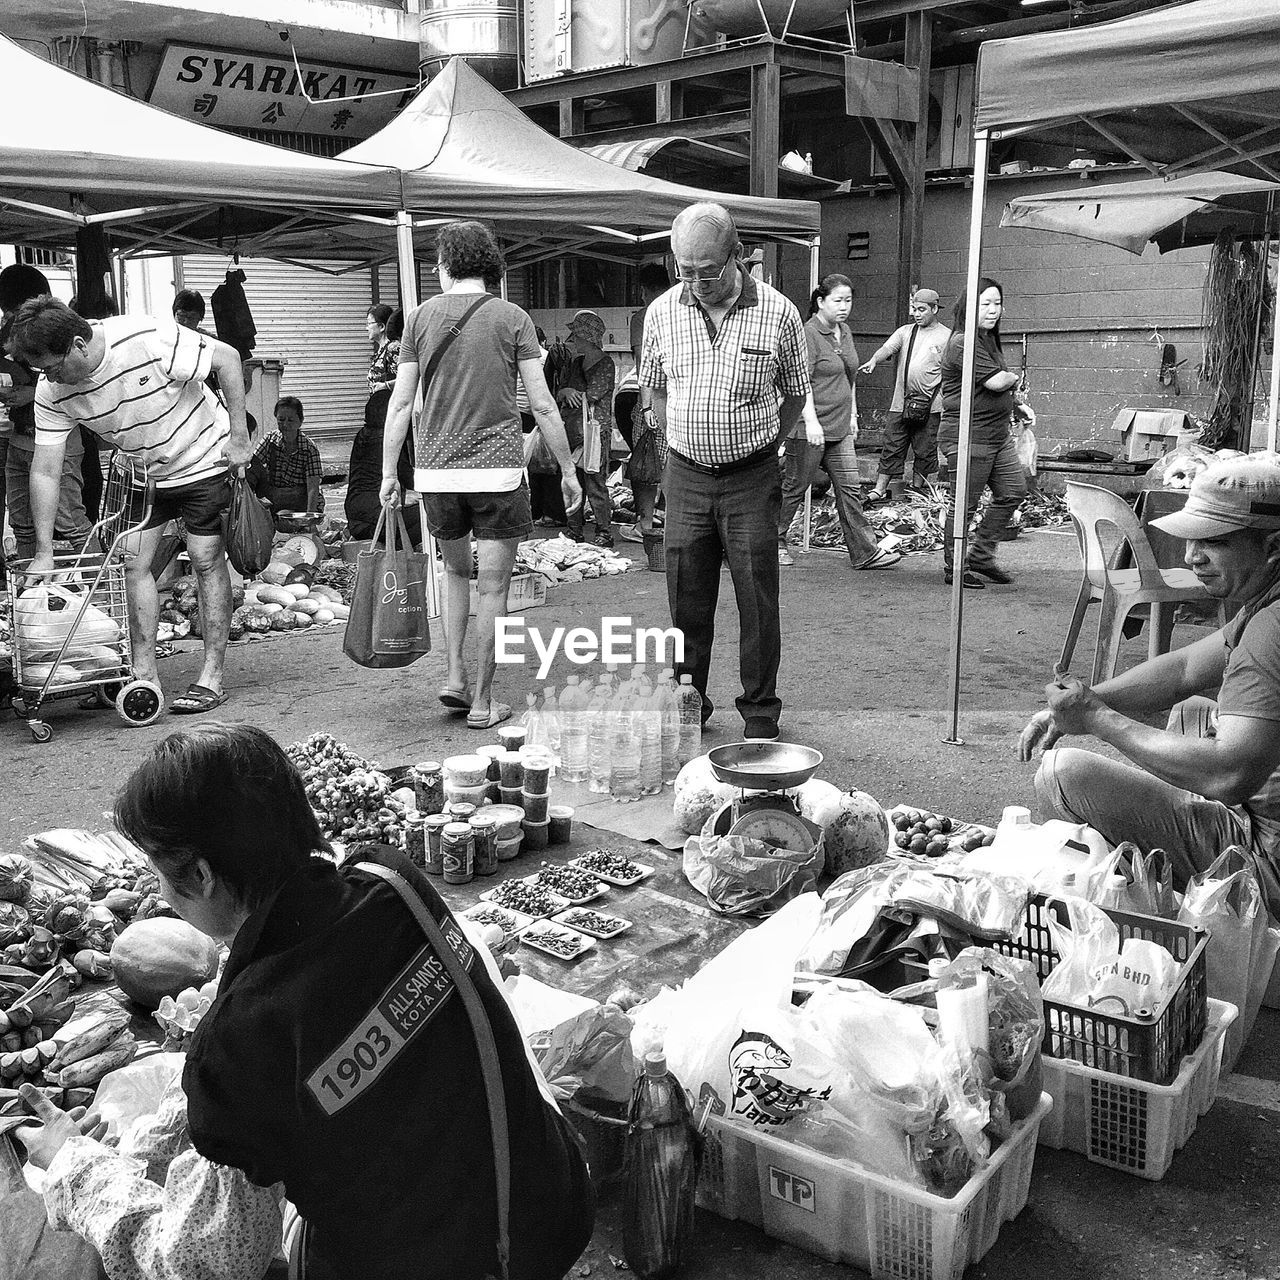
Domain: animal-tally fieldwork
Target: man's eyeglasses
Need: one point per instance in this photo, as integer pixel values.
(54, 370)
(705, 277)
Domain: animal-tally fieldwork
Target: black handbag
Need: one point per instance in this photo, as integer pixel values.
(915, 409)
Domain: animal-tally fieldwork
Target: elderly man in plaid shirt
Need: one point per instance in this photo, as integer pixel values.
(724, 369)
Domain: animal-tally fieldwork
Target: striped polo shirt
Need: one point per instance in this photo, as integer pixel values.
(148, 398)
(724, 388)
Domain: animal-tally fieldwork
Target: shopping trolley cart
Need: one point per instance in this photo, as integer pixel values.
(71, 627)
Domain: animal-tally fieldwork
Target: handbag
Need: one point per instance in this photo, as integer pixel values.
(248, 530)
(915, 409)
(387, 625)
(592, 456)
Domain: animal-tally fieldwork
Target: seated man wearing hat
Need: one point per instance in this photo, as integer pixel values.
(1211, 777)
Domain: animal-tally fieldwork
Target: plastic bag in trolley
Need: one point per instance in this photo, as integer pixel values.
(45, 615)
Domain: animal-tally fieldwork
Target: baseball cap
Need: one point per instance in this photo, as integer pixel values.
(926, 295)
(1241, 493)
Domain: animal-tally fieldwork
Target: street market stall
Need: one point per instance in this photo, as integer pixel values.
(1182, 91)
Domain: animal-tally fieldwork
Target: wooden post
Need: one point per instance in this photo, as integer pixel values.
(766, 120)
(919, 55)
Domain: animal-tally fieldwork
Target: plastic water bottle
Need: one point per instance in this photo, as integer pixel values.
(599, 726)
(624, 749)
(551, 719)
(575, 759)
(690, 703)
(669, 713)
(647, 726)
(531, 720)
(661, 1174)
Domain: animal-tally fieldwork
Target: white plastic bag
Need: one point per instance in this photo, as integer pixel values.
(1241, 954)
(1095, 972)
(133, 1093)
(46, 613)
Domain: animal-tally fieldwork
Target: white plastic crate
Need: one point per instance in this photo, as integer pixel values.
(527, 591)
(1129, 1124)
(845, 1213)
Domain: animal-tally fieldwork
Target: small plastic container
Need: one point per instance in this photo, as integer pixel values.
(484, 836)
(537, 835)
(428, 787)
(510, 849)
(508, 817)
(536, 808)
(511, 770)
(466, 771)
(537, 772)
(460, 810)
(491, 754)
(511, 797)
(512, 736)
(561, 819)
(456, 794)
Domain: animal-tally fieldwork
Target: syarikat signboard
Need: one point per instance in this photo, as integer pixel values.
(231, 89)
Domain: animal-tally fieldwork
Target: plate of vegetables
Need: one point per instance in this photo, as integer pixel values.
(519, 895)
(571, 883)
(612, 867)
(595, 923)
(555, 940)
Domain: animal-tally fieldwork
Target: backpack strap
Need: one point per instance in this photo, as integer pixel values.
(447, 341)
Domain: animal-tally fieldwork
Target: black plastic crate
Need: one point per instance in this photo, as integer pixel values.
(1145, 1047)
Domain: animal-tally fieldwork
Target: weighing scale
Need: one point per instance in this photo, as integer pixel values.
(765, 773)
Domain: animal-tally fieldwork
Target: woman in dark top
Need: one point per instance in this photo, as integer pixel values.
(833, 361)
(993, 457)
(364, 471)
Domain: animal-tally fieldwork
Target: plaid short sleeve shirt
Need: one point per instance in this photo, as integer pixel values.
(724, 388)
(284, 468)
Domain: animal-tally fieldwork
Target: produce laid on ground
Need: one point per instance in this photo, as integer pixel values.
(934, 834)
(561, 560)
(352, 797)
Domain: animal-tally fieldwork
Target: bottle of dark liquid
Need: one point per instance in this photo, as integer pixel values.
(661, 1171)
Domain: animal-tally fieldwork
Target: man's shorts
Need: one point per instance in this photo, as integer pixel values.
(200, 506)
(922, 440)
(491, 517)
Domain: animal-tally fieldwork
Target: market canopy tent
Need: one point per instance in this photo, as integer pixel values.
(1131, 215)
(464, 150)
(156, 181)
(1182, 89)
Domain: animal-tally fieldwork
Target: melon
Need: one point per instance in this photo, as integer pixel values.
(162, 957)
(697, 802)
(856, 834)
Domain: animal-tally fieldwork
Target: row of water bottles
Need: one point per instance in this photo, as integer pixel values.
(625, 735)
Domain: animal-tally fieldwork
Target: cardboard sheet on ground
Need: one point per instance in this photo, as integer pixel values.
(648, 819)
(673, 932)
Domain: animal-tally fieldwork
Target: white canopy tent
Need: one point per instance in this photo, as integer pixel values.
(1182, 90)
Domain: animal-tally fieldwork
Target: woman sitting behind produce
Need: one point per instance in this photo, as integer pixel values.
(286, 467)
(337, 1064)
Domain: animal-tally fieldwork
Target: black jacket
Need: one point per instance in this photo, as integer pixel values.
(300, 1074)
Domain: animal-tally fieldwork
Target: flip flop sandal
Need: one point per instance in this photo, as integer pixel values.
(198, 699)
(497, 713)
(456, 699)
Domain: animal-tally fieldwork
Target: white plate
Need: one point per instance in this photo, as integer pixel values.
(618, 924)
(556, 902)
(512, 921)
(621, 881)
(599, 891)
(536, 934)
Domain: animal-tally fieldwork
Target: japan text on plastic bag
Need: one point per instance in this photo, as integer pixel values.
(1242, 948)
(740, 876)
(1095, 972)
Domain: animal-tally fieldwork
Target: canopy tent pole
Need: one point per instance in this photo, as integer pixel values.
(960, 524)
(1273, 400)
(408, 271)
(814, 249)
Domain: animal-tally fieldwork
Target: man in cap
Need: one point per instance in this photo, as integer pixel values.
(916, 407)
(1211, 777)
(725, 358)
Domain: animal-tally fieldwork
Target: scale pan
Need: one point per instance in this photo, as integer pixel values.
(764, 766)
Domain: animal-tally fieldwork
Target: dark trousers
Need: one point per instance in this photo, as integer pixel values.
(1003, 472)
(596, 496)
(839, 459)
(921, 440)
(733, 517)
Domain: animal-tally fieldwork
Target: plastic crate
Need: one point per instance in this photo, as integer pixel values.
(527, 591)
(845, 1213)
(1128, 1124)
(1143, 1047)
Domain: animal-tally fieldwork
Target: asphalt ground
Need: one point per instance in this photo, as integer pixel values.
(863, 679)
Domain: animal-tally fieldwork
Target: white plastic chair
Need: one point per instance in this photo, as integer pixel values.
(1106, 524)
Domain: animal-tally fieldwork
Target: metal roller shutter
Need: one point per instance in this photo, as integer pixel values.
(313, 320)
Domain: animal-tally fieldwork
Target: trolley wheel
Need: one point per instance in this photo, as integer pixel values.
(139, 702)
(40, 732)
(106, 695)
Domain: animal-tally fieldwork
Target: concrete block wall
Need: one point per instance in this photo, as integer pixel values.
(1095, 316)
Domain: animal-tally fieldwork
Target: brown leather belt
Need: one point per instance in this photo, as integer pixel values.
(726, 468)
